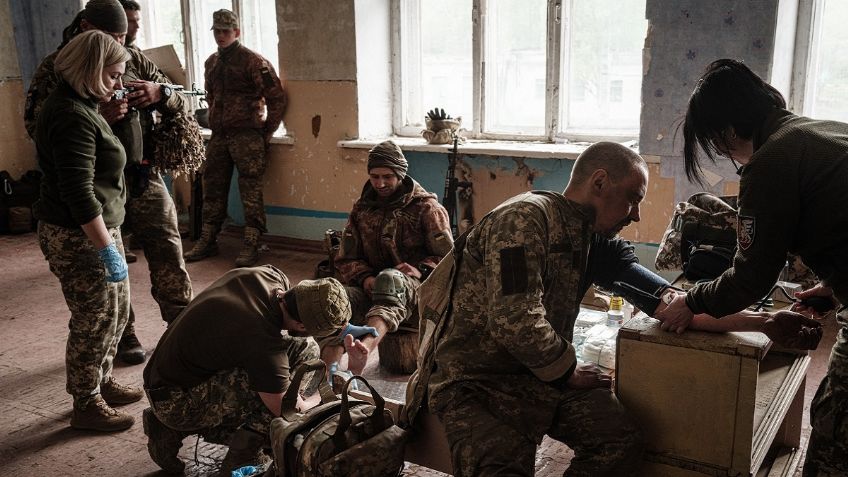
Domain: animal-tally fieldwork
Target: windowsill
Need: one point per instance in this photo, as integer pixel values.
(277, 138)
(529, 149)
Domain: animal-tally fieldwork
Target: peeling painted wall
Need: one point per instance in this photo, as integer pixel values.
(17, 151)
(684, 36)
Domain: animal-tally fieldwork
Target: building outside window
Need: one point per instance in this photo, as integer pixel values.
(521, 69)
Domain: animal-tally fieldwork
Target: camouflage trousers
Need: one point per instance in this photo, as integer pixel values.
(244, 149)
(220, 405)
(99, 309)
(396, 317)
(827, 451)
(591, 422)
(152, 219)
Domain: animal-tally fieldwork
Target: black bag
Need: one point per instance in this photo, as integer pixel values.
(16, 201)
(337, 437)
(706, 251)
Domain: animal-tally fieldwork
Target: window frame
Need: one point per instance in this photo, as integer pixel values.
(555, 67)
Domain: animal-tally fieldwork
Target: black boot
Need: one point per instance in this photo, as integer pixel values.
(130, 350)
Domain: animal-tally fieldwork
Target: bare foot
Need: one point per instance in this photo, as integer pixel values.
(357, 355)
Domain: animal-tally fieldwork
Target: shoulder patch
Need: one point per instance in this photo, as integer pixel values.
(513, 271)
(267, 77)
(746, 230)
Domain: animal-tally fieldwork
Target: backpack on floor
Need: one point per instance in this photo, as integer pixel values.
(340, 436)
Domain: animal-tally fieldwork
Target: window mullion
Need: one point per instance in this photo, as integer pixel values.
(552, 67)
(398, 56)
(190, 53)
(478, 28)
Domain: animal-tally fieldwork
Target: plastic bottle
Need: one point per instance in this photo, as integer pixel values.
(615, 315)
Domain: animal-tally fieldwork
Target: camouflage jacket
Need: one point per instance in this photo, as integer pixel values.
(135, 125)
(806, 215)
(240, 84)
(516, 295)
(412, 228)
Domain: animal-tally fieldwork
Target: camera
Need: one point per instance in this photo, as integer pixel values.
(122, 93)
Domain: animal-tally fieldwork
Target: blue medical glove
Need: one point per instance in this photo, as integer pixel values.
(244, 471)
(116, 266)
(358, 331)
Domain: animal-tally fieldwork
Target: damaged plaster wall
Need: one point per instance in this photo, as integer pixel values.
(17, 151)
(684, 37)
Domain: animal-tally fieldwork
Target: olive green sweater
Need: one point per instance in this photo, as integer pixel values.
(82, 161)
(793, 197)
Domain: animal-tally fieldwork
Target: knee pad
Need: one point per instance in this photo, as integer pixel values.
(389, 288)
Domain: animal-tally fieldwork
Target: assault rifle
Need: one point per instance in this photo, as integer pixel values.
(452, 184)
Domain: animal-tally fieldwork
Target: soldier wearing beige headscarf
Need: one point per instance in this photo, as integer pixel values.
(221, 368)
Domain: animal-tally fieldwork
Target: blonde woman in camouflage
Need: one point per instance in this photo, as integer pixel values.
(80, 210)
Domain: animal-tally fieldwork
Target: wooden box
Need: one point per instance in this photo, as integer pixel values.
(708, 403)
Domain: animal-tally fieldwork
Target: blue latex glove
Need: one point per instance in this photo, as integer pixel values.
(116, 266)
(244, 471)
(358, 331)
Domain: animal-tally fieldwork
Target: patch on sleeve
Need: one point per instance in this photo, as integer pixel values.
(746, 231)
(513, 271)
(267, 77)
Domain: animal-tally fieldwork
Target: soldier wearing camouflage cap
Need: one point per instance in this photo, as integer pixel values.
(246, 105)
(220, 369)
(396, 232)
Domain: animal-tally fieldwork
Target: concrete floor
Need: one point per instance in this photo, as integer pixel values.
(34, 435)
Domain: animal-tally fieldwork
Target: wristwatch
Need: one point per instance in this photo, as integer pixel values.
(166, 92)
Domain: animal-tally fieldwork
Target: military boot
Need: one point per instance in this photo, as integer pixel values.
(96, 415)
(249, 254)
(245, 449)
(163, 443)
(206, 245)
(115, 393)
(130, 350)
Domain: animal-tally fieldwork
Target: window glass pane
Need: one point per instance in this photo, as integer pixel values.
(162, 24)
(437, 60)
(602, 66)
(515, 47)
(204, 41)
(259, 29)
(830, 94)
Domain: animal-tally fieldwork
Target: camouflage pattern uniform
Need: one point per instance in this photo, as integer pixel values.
(150, 212)
(807, 215)
(412, 228)
(240, 84)
(99, 309)
(217, 407)
(497, 383)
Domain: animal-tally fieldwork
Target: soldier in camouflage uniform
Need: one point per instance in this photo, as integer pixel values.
(396, 232)
(505, 371)
(240, 86)
(734, 113)
(150, 211)
(222, 367)
(80, 209)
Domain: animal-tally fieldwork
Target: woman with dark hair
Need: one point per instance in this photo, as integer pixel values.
(793, 198)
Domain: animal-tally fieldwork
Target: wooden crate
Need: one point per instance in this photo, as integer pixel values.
(708, 403)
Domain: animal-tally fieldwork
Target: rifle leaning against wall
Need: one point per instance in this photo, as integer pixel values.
(452, 184)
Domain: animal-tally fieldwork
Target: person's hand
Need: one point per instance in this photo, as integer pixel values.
(357, 354)
(358, 331)
(793, 330)
(368, 285)
(589, 376)
(677, 316)
(116, 266)
(114, 110)
(817, 291)
(144, 94)
(408, 270)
